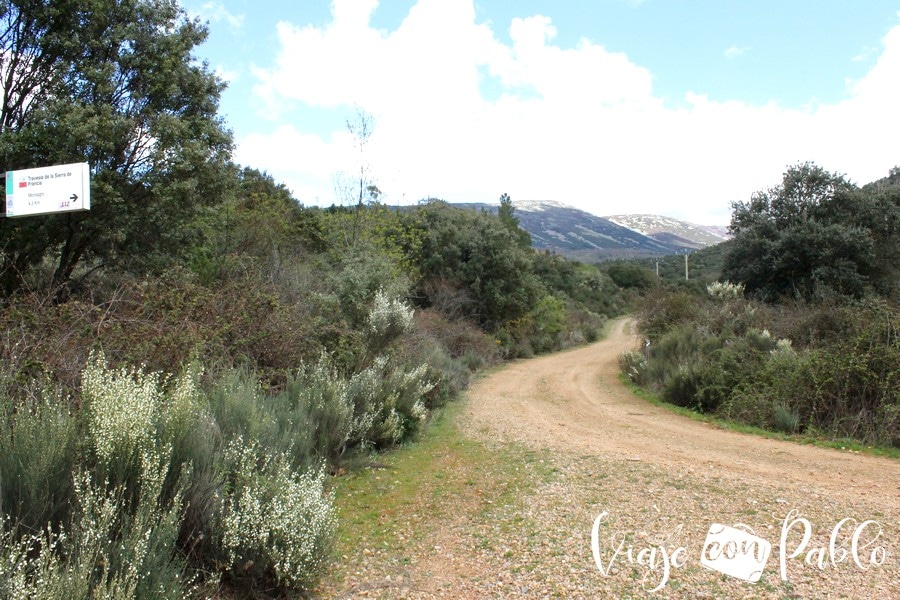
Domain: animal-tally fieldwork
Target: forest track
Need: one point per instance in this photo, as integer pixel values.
(663, 480)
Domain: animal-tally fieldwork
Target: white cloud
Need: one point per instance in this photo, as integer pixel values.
(733, 52)
(302, 161)
(215, 12)
(227, 75)
(579, 125)
(865, 54)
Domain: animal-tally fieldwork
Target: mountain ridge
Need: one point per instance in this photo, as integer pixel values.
(575, 233)
(667, 228)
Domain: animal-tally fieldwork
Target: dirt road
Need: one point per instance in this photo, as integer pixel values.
(574, 402)
(662, 482)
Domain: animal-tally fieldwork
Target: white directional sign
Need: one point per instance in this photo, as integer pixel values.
(45, 190)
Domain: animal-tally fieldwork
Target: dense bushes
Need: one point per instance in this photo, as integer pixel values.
(815, 235)
(204, 408)
(821, 357)
(821, 370)
(231, 478)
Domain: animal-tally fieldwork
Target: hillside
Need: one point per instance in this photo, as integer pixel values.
(673, 231)
(583, 236)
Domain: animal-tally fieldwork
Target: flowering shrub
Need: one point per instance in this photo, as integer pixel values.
(122, 406)
(388, 402)
(634, 365)
(219, 477)
(783, 346)
(102, 554)
(725, 290)
(388, 319)
(276, 522)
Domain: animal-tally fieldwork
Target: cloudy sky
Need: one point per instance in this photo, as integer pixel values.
(674, 107)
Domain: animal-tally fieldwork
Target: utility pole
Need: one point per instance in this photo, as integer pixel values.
(686, 278)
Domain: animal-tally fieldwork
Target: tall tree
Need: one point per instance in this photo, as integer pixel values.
(112, 83)
(507, 214)
(814, 233)
(357, 189)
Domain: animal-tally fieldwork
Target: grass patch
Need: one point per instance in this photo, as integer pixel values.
(401, 498)
(848, 445)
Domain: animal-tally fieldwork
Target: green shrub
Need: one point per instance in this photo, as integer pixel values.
(449, 375)
(313, 416)
(634, 365)
(107, 550)
(277, 525)
(779, 384)
(680, 387)
(674, 351)
(548, 324)
(472, 360)
(659, 313)
(457, 337)
(785, 418)
(582, 325)
(846, 387)
(726, 365)
(39, 449)
(364, 273)
(628, 275)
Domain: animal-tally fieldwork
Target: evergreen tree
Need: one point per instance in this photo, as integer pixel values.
(112, 83)
(813, 235)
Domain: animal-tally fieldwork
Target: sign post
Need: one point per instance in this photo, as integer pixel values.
(46, 190)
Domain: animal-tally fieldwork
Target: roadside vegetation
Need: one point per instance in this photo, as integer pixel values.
(198, 412)
(186, 367)
(801, 332)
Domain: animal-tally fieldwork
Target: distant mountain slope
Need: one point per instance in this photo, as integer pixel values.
(573, 232)
(673, 231)
(581, 235)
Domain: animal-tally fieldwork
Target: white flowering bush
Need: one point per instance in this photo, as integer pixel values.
(122, 407)
(783, 346)
(109, 551)
(388, 319)
(725, 290)
(276, 522)
(634, 365)
(389, 401)
(183, 407)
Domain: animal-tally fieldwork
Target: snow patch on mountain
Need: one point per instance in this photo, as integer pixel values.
(540, 205)
(654, 225)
